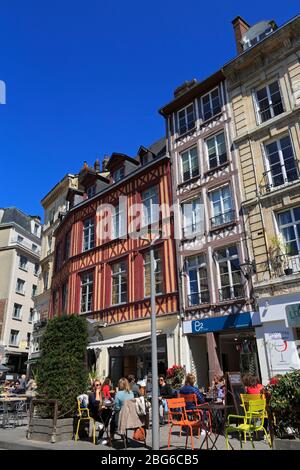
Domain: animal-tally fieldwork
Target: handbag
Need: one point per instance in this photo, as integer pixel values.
(139, 434)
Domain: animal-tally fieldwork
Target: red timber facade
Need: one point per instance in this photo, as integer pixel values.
(106, 278)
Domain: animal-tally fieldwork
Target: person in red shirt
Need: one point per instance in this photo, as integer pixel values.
(252, 385)
(106, 386)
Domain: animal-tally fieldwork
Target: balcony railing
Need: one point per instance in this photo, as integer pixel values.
(198, 298)
(231, 293)
(222, 219)
(26, 244)
(190, 231)
(272, 182)
(283, 265)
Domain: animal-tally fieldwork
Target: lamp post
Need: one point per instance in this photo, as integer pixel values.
(154, 369)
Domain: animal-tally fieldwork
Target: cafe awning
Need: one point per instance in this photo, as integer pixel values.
(118, 341)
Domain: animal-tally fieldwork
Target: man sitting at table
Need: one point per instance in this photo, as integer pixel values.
(189, 388)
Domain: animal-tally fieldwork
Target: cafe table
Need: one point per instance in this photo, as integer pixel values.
(7, 401)
(219, 413)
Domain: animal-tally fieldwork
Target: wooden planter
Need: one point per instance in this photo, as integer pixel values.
(49, 429)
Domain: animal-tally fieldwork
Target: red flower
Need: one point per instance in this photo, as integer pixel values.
(274, 380)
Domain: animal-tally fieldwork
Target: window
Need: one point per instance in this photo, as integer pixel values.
(221, 207)
(190, 164)
(20, 239)
(64, 297)
(34, 247)
(211, 104)
(91, 191)
(45, 280)
(87, 289)
(51, 215)
(58, 260)
(88, 234)
(281, 162)
(191, 217)
(198, 290)
(269, 102)
(216, 149)
(20, 286)
(158, 273)
(36, 229)
(289, 226)
(23, 261)
(34, 288)
(55, 302)
(31, 315)
(14, 338)
(229, 274)
(17, 315)
(36, 269)
(67, 246)
(119, 283)
(150, 206)
(28, 340)
(119, 222)
(186, 119)
(118, 174)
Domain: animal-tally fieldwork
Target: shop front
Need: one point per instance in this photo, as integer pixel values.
(126, 348)
(222, 344)
(278, 338)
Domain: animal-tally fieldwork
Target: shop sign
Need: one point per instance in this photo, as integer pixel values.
(293, 315)
(207, 325)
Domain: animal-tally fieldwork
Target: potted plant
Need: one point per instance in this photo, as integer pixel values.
(175, 376)
(62, 376)
(283, 397)
(279, 253)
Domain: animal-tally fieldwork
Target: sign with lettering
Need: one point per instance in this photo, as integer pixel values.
(293, 315)
(241, 320)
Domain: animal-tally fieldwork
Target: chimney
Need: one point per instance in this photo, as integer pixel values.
(240, 28)
(104, 162)
(97, 165)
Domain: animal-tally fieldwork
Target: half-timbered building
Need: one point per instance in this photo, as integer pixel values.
(102, 262)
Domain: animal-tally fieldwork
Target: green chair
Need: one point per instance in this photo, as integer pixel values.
(252, 422)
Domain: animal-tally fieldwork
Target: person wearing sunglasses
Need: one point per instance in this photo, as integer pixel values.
(98, 411)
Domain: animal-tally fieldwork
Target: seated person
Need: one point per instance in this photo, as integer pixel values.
(124, 393)
(133, 386)
(106, 386)
(164, 389)
(17, 388)
(97, 409)
(189, 388)
(252, 385)
(218, 387)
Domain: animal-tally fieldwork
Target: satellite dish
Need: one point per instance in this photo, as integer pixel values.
(257, 32)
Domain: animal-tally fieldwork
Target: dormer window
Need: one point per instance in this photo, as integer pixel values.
(118, 174)
(186, 119)
(91, 191)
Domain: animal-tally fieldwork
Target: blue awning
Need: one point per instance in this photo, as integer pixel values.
(232, 321)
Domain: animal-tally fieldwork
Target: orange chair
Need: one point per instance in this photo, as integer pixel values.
(192, 398)
(178, 417)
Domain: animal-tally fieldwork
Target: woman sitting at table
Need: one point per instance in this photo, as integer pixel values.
(124, 393)
(190, 388)
(98, 411)
(106, 386)
(252, 385)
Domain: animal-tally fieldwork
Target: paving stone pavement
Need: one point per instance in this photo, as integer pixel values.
(15, 439)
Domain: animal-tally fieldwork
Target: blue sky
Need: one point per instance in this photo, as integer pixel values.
(86, 78)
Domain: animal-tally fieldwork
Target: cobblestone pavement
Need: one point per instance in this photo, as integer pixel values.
(15, 438)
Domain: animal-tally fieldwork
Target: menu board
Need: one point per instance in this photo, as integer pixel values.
(235, 387)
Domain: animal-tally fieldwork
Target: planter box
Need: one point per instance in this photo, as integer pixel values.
(42, 429)
(286, 444)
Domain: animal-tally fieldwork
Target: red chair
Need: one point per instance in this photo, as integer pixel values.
(178, 417)
(192, 398)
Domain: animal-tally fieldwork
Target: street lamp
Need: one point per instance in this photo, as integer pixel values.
(155, 407)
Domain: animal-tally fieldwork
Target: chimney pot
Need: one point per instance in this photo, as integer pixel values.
(97, 165)
(104, 162)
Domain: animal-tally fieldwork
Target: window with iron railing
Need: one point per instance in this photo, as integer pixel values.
(289, 227)
(268, 102)
(222, 210)
(282, 166)
(230, 276)
(198, 290)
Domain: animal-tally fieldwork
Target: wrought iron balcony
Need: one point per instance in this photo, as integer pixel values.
(222, 219)
(198, 298)
(231, 292)
(278, 181)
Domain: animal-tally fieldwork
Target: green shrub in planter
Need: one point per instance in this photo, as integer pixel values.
(62, 367)
(283, 395)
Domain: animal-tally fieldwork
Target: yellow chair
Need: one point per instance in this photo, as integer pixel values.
(253, 421)
(84, 415)
(246, 398)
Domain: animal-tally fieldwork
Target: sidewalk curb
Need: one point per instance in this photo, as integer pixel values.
(17, 446)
